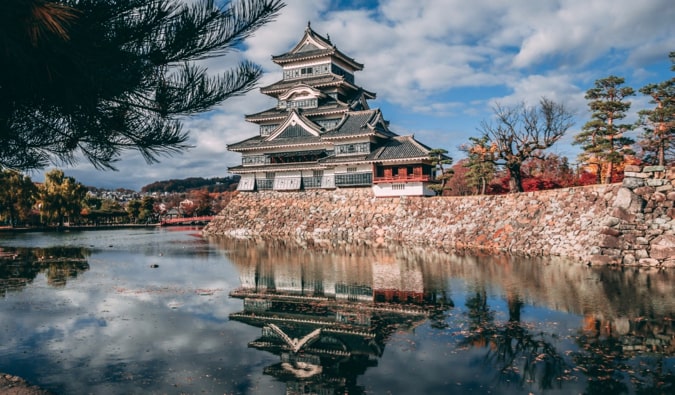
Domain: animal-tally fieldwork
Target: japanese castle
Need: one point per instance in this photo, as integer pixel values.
(322, 133)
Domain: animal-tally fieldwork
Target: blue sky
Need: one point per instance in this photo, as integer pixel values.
(437, 66)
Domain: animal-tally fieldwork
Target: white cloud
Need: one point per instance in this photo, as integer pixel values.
(436, 62)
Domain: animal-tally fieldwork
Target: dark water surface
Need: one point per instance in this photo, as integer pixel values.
(167, 311)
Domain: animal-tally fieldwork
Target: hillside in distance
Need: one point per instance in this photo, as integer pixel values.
(215, 184)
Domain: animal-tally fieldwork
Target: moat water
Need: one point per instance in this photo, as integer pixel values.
(167, 311)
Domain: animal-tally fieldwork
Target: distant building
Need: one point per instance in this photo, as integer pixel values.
(322, 133)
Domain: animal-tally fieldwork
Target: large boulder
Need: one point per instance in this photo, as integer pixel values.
(663, 247)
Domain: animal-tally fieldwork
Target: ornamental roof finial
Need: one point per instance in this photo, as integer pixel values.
(309, 24)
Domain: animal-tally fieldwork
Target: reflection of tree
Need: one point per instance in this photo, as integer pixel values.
(517, 354)
(20, 266)
(601, 361)
(638, 356)
(631, 351)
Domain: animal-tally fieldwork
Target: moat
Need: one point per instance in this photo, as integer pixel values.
(168, 311)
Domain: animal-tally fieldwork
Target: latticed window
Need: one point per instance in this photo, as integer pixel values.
(253, 160)
(314, 181)
(264, 183)
(300, 72)
(352, 179)
(355, 148)
(304, 103)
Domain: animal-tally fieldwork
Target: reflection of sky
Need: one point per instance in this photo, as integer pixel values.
(125, 327)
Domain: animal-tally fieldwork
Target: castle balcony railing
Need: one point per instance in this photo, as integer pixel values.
(406, 178)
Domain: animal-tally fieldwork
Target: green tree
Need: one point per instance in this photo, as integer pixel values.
(147, 209)
(658, 124)
(17, 196)
(92, 202)
(602, 138)
(134, 209)
(110, 205)
(481, 167)
(521, 133)
(99, 77)
(61, 198)
(439, 160)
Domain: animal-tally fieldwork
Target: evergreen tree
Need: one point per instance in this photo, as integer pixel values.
(439, 160)
(602, 139)
(658, 124)
(480, 164)
(103, 76)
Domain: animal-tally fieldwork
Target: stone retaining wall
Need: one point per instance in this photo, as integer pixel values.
(640, 228)
(604, 224)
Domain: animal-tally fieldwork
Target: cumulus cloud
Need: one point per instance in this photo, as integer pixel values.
(436, 66)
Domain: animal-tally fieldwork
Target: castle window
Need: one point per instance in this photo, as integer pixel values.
(253, 160)
(355, 148)
(300, 72)
(304, 103)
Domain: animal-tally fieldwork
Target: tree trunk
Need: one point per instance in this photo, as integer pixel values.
(598, 174)
(610, 170)
(515, 179)
(515, 306)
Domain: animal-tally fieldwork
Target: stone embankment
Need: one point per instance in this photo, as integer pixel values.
(640, 227)
(630, 223)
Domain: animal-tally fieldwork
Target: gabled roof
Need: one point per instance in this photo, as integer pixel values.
(296, 130)
(294, 126)
(300, 89)
(312, 46)
(360, 123)
(400, 147)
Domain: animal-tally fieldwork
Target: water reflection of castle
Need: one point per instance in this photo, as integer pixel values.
(329, 323)
(329, 314)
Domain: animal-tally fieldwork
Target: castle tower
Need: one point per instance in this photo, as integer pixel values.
(323, 134)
